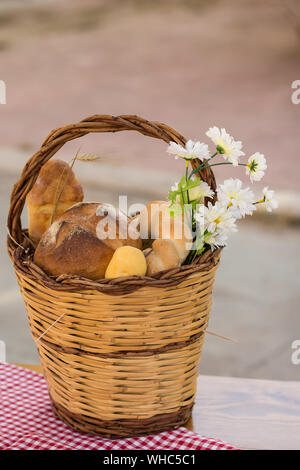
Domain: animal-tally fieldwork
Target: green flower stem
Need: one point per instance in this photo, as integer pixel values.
(182, 196)
(200, 167)
(186, 177)
(224, 163)
(260, 202)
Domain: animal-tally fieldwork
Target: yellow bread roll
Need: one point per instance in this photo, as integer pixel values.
(126, 261)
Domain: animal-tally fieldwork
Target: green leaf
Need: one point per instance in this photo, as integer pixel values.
(182, 182)
(172, 195)
(175, 209)
(183, 186)
(192, 184)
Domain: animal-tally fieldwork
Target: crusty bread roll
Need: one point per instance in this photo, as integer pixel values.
(55, 179)
(83, 240)
(147, 221)
(172, 237)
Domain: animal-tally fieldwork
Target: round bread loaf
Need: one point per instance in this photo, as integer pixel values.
(83, 240)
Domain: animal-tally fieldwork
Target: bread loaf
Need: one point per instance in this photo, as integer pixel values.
(171, 234)
(147, 221)
(83, 240)
(56, 180)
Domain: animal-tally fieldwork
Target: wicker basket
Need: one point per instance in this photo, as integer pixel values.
(120, 356)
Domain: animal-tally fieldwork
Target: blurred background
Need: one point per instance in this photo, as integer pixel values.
(191, 64)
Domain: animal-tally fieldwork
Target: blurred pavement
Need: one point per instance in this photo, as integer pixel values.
(190, 64)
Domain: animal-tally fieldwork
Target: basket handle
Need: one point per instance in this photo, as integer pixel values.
(58, 137)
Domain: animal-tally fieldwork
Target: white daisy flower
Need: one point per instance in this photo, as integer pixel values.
(217, 217)
(199, 214)
(199, 218)
(200, 192)
(230, 149)
(239, 200)
(190, 151)
(216, 239)
(256, 166)
(269, 200)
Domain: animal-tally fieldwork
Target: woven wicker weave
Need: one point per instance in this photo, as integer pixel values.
(120, 356)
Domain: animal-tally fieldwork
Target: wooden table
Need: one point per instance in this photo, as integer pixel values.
(248, 413)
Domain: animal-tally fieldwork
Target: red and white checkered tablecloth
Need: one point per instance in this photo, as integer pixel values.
(27, 421)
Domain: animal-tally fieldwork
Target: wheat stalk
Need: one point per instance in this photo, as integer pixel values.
(221, 336)
(88, 157)
(63, 186)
